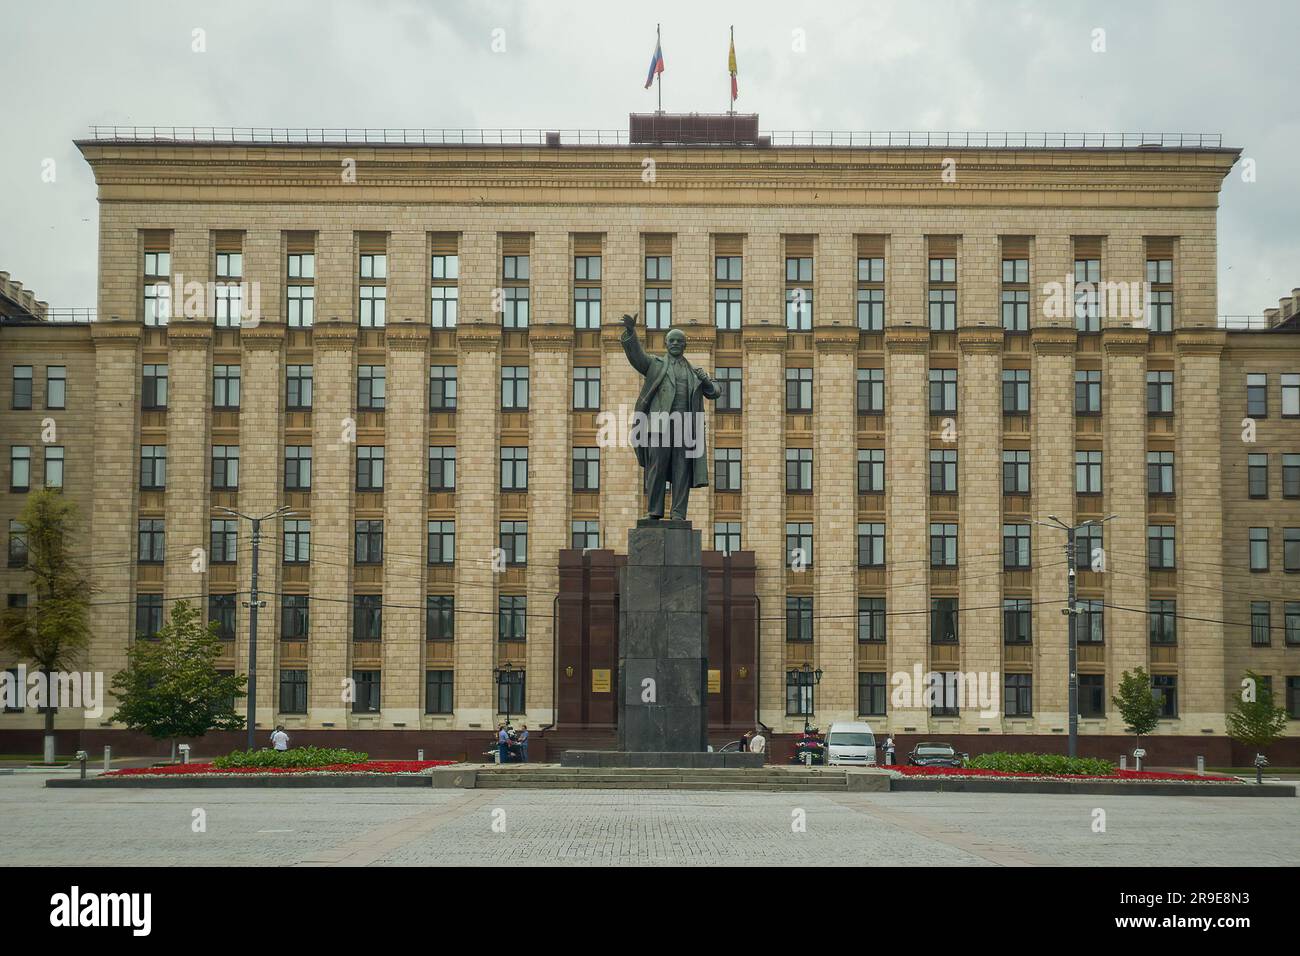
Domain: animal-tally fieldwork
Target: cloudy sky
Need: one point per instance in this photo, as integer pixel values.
(1169, 65)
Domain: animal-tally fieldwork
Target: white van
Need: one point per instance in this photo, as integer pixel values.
(851, 743)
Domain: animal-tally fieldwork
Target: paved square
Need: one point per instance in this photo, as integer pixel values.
(418, 827)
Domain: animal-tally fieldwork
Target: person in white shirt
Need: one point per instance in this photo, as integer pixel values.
(279, 739)
(757, 743)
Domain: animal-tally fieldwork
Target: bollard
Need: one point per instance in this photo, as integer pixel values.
(419, 755)
(1123, 761)
(81, 758)
(1200, 764)
(185, 753)
(108, 758)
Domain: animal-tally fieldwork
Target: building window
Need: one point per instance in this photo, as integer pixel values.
(221, 611)
(799, 690)
(729, 381)
(53, 466)
(1160, 393)
(871, 391)
(20, 467)
(1017, 621)
(366, 684)
(514, 468)
(872, 694)
(1160, 283)
(1291, 476)
(798, 389)
(1291, 394)
(297, 467)
(943, 391)
(229, 293)
(1261, 630)
(17, 544)
(586, 469)
(300, 290)
(372, 289)
(942, 294)
(514, 388)
(56, 386)
(1015, 547)
(293, 691)
(799, 620)
(1015, 391)
(438, 692)
(157, 288)
(297, 387)
(1091, 628)
(943, 472)
(726, 536)
(799, 544)
(726, 469)
(943, 690)
(297, 540)
(1291, 549)
(440, 618)
(368, 541)
(442, 542)
(586, 388)
(798, 293)
(371, 387)
(1162, 621)
(798, 470)
(943, 620)
(514, 541)
(223, 540)
(1087, 472)
(148, 616)
(1291, 623)
(1092, 695)
(1160, 547)
(1015, 295)
(225, 387)
(512, 617)
(22, 387)
(153, 392)
(871, 545)
(585, 535)
(225, 467)
(295, 617)
(153, 467)
(586, 292)
(1257, 395)
(1087, 392)
(1257, 476)
(727, 292)
(943, 545)
(1087, 311)
(1160, 472)
(871, 293)
(1017, 695)
(1164, 688)
(1015, 472)
(515, 291)
(871, 620)
(370, 468)
(1259, 549)
(1088, 547)
(442, 467)
(510, 692)
(367, 617)
(871, 471)
(151, 544)
(658, 292)
(444, 294)
(442, 388)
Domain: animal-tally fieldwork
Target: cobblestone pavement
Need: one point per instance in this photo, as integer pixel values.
(415, 827)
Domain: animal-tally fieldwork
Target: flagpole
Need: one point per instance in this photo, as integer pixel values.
(659, 76)
(731, 102)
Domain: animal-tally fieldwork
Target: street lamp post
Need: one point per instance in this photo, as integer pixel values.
(809, 678)
(503, 674)
(1071, 612)
(253, 603)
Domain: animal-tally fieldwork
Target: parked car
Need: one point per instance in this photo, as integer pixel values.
(850, 743)
(930, 754)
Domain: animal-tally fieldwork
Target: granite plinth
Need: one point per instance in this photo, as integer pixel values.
(660, 759)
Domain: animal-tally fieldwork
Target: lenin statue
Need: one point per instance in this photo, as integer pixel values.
(668, 425)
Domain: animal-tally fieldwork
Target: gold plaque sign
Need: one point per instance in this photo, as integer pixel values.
(600, 680)
(715, 682)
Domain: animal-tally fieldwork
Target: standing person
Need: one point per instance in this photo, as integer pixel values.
(279, 739)
(889, 750)
(757, 742)
(743, 744)
(523, 743)
(503, 744)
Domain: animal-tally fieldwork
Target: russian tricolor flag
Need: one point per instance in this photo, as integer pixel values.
(656, 64)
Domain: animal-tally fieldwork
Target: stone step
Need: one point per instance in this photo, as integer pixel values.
(709, 778)
(496, 784)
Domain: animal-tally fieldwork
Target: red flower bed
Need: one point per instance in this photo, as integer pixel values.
(910, 771)
(371, 766)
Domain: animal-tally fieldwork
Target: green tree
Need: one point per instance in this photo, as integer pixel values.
(171, 687)
(1136, 704)
(53, 633)
(1255, 722)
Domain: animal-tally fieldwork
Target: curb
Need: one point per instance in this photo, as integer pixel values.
(319, 781)
(1175, 788)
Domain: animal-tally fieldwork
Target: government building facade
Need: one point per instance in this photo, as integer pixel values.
(923, 353)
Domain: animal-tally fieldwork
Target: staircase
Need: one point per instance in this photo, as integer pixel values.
(781, 779)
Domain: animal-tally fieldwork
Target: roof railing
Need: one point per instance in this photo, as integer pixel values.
(1245, 323)
(69, 315)
(607, 137)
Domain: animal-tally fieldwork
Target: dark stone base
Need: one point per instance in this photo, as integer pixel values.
(623, 758)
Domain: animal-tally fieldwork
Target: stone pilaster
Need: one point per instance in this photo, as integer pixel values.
(620, 476)
(189, 457)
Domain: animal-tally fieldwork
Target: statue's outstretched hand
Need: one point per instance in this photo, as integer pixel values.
(629, 321)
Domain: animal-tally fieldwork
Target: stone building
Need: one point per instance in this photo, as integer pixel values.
(924, 351)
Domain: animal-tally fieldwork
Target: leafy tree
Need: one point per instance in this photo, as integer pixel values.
(54, 632)
(171, 687)
(1136, 704)
(1256, 722)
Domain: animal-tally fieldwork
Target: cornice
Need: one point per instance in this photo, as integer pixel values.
(478, 336)
(980, 339)
(832, 339)
(264, 337)
(907, 339)
(1200, 341)
(550, 338)
(334, 336)
(1124, 341)
(189, 335)
(763, 338)
(117, 334)
(1047, 340)
(407, 337)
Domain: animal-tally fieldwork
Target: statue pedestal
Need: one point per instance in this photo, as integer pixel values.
(663, 643)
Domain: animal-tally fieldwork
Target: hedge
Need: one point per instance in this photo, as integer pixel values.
(295, 757)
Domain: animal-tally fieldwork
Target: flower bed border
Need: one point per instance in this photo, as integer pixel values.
(906, 771)
(369, 768)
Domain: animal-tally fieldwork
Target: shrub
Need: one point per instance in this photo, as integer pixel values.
(1040, 763)
(296, 757)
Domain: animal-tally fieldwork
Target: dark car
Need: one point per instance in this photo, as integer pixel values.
(935, 755)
